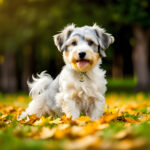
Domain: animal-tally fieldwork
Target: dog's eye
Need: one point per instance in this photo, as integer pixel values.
(74, 43)
(90, 42)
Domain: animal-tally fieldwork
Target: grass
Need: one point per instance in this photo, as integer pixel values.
(125, 124)
(121, 85)
(114, 127)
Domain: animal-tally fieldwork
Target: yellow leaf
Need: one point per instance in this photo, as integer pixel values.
(112, 110)
(122, 134)
(130, 144)
(103, 126)
(3, 117)
(56, 121)
(130, 120)
(76, 131)
(145, 117)
(63, 126)
(46, 132)
(9, 109)
(43, 121)
(62, 130)
(30, 120)
(107, 118)
(83, 118)
(84, 142)
(89, 128)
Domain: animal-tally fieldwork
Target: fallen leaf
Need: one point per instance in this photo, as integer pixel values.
(30, 120)
(130, 144)
(82, 120)
(107, 118)
(123, 134)
(56, 121)
(62, 131)
(83, 143)
(43, 121)
(130, 120)
(145, 117)
(46, 133)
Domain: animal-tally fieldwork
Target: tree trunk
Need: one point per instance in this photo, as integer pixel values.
(8, 78)
(117, 67)
(28, 63)
(140, 58)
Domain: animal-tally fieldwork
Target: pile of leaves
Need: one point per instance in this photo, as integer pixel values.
(124, 125)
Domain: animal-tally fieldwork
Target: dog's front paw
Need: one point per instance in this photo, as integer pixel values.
(73, 117)
(22, 116)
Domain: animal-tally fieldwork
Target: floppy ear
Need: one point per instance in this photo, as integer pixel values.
(59, 39)
(104, 39)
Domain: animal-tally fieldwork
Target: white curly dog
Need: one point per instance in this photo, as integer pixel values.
(81, 85)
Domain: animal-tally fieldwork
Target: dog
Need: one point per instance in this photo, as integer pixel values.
(81, 85)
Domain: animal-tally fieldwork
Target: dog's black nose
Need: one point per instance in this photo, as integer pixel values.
(82, 55)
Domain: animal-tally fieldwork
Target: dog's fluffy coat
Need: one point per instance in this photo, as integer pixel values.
(67, 94)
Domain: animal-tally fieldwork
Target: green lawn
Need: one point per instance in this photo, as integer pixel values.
(125, 124)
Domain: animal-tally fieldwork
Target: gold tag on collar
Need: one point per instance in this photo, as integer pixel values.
(81, 77)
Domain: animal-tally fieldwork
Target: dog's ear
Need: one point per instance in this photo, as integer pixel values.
(104, 39)
(59, 39)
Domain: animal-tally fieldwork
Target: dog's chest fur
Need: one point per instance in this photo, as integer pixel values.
(84, 93)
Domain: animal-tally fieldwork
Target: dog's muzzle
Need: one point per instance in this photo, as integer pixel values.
(82, 55)
(82, 62)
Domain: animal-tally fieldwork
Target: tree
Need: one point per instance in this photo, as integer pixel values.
(26, 34)
(136, 14)
(27, 27)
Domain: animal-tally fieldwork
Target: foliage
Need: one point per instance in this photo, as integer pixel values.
(132, 12)
(27, 26)
(124, 125)
(26, 21)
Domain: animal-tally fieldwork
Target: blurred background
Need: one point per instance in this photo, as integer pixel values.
(27, 47)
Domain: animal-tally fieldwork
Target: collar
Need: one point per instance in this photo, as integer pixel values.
(82, 76)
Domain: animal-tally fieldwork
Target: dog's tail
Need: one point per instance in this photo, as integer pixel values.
(38, 91)
(39, 84)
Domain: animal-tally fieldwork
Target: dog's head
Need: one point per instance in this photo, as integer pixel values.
(83, 47)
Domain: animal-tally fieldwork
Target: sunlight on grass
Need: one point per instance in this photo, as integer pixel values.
(126, 120)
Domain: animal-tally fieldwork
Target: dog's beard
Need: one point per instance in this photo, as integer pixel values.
(82, 65)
